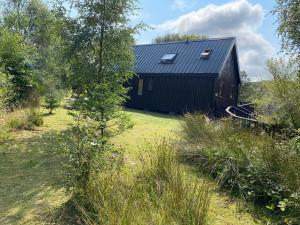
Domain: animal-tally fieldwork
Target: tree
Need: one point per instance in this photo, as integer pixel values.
(16, 62)
(281, 103)
(51, 101)
(178, 37)
(44, 30)
(288, 14)
(102, 64)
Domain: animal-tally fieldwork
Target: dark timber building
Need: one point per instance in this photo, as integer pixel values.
(186, 76)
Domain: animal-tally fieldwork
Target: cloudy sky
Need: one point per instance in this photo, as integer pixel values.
(248, 20)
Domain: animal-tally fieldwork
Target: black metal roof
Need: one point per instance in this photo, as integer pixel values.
(188, 59)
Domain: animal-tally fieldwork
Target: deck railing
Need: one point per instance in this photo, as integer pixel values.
(247, 118)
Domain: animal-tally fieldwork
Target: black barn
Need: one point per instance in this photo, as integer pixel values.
(186, 76)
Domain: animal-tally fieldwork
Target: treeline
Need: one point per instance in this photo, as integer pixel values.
(33, 44)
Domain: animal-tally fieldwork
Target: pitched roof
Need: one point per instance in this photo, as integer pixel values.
(187, 61)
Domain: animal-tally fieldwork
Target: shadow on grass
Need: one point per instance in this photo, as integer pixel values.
(154, 114)
(66, 214)
(30, 174)
(48, 114)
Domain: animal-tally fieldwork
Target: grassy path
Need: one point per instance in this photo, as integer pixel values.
(30, 189)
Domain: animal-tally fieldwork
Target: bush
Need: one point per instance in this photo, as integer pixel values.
(85, 155)
(161, 193)
(34, 118)
(252, 166)
(25, 120)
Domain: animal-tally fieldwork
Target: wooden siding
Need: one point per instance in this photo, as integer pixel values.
(177, 94)
(227, 84)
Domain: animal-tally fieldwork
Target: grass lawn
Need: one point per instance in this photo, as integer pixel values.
(30, 184)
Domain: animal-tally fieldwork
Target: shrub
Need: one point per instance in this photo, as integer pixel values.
(25, 120)
(252, 166)
(34, 118)
(161, 193)
(86, 154)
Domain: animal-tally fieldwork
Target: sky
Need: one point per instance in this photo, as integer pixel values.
(250, 21)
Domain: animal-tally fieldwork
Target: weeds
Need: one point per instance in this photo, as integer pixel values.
(252, 166)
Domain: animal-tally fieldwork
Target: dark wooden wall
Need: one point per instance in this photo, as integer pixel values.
(177, 94)
(227, 84)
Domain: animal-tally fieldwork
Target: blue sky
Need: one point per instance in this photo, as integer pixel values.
(249, 20)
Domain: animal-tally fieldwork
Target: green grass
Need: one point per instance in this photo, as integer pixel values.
(30, 188)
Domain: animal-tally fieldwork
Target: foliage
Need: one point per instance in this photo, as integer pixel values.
(102, 62)
(161, 193)
(252, 166)
(246, 89)
(178, 37)
(85, 154)
(6, 90)
(281, 104)
(288, 14)
(52, 100)
(25, 120)
(47, 62)
(34, 118)
(15, 60)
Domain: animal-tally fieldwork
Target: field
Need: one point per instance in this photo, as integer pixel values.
(30, 168)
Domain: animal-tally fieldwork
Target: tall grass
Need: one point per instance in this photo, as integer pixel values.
(161, 193)
(24, 119)
(251, 165)
(4, 134)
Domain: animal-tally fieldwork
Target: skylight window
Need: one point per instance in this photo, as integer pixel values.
(206, 53)
(168, 58)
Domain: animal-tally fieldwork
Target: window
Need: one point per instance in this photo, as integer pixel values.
(221, 90)
(150, 85)
(140, 88)
(206, 53)
(168, 58)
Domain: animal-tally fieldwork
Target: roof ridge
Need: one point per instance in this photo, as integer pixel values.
(200, 40)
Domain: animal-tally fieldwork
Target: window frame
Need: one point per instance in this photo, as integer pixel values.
(168, 58)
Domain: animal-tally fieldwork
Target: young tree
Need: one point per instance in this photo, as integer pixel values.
(178, 37)
(51, 101)
(102, 64)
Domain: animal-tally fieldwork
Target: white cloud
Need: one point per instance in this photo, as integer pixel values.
(179, 4)
(237, 18)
